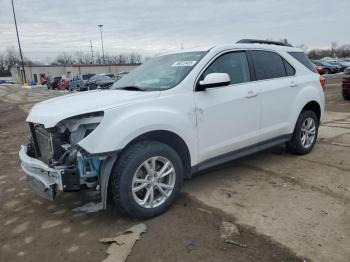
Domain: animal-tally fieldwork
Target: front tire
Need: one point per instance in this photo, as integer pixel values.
(305, 134)
(146, 179)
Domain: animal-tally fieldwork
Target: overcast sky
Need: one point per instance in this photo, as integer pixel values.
(49, 27)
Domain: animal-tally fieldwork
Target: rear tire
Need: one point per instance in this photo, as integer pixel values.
(137, 184)
(305, 134)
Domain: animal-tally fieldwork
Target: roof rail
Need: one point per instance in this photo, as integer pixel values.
(267, 42)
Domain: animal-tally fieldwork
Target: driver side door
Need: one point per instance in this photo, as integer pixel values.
(228, 117)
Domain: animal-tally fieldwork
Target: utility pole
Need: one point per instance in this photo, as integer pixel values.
(92, 53)
(24, 79)
(103, 52)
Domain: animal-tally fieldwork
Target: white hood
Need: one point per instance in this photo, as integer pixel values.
(52, 111)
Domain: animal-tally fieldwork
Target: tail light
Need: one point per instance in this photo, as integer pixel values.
(322, 81)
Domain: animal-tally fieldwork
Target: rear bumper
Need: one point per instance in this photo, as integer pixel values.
(42, 179)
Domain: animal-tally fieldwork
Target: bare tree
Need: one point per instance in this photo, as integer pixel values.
(3, 64)
(4, 70)
(335, 51)
(12, 56)
(134, 58)
(334, 46)
(79, 57)
(121, 59)
(63, 59)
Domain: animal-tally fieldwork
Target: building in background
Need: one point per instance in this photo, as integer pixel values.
(35, 73)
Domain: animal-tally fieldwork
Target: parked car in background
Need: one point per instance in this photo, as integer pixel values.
(52, 82)
(329, 68)
(102, 81)
(121, 75)
(320, 69)
(346, 84)
(79, 82)
(173, 116)
(63, 84)
(343, 64)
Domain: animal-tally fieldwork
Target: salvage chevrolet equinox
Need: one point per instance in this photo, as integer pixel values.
(173, 116)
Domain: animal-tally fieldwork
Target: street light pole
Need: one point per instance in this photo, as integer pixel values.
(103, 52)
(19, 43)
(92, 53)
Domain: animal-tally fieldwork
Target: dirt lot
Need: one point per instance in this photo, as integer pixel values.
(286, 208)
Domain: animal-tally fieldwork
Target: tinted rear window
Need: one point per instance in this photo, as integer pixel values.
(100, 78)
(302, 58)
(86, 77)
(268, 65)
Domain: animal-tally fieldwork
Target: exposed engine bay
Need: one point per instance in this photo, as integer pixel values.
(58, 148)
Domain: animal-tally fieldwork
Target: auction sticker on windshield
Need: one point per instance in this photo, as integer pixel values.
(184, 63)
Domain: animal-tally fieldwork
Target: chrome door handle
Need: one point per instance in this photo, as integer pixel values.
(251, 94)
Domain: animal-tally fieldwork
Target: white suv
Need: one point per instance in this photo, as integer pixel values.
(173, 116)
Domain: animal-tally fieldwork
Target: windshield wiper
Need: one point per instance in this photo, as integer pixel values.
(136, 88)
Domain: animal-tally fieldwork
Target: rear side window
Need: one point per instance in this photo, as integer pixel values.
(268, 65)
(289, 69)
(302, 58)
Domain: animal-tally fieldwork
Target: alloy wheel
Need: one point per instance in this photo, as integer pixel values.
(153, 182)
(308, 132)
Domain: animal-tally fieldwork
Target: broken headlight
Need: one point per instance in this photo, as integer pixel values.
(80, 126)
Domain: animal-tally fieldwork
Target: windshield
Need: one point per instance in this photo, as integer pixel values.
(160, 73)
(100, 78)
(86, 77)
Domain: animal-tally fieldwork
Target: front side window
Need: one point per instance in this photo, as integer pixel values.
(160, 73)
(268, 65)
(234, 64)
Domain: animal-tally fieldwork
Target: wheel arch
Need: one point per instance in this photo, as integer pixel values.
(315, 107)
(164, 136)
(310, 97)
(171, 139)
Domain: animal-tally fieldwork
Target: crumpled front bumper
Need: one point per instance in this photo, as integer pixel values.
(42, 179)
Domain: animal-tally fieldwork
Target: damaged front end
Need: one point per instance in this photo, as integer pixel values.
(53, 160)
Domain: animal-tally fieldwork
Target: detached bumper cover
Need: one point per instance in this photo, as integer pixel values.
(42, 179)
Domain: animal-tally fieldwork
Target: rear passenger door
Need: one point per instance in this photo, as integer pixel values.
(278, 88)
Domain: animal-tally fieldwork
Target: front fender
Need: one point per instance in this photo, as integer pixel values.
(121, 125)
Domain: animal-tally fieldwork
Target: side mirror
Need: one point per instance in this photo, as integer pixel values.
(214, 80)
